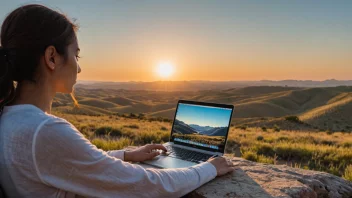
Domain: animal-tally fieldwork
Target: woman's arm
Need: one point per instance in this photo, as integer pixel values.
(119, 154)
(66, 160)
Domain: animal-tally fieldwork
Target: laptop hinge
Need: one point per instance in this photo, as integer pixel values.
(194, 149)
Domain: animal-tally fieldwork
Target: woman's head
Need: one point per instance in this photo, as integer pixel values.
(37, 42)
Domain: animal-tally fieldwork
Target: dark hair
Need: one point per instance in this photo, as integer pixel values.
(25, 34)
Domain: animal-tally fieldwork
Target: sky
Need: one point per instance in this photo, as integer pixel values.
(203, 116)
(223, 40)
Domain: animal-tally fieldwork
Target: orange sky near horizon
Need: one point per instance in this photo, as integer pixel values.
(195, 62)
(212, 40)
(222, 47)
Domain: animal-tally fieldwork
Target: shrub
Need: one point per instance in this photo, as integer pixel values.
(250, 155)
(328, 142)
(231, 143)
(293, 119)
(333, 170)
(132, 115)
(260, 138)
(283, 138)
(141, 116)
(264, 129)
(115, 132)
(276, 128)
(132, 126)
(347, 144)
(264, 149)
(263, 159)
(107, 145)
(104, 130)
(85, 129)
(163, 128)
(165, 137)
(147, 138)
(166, 120)
(243, 127)
(152, 119)
(348, 173)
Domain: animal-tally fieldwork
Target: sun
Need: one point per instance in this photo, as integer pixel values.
(165, 69)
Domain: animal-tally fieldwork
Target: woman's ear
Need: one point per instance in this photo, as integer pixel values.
(50, 57)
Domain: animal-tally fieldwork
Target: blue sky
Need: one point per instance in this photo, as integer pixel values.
(210, 40)
(203, 116)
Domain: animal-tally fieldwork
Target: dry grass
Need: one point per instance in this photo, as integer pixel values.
(348, 173)
(329, 152)
(322, 151)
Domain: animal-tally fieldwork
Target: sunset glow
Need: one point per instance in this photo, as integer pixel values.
(165, 69)
(210, 41)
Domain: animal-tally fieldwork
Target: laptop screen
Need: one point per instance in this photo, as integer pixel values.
(201, 126)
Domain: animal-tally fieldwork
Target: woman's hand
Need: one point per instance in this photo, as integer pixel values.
(222, 165)
(143, 153)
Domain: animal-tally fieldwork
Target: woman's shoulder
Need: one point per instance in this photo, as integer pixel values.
(56, 121)
(28, 117)
(55, 126)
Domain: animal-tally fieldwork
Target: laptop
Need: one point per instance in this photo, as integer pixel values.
(199, 131)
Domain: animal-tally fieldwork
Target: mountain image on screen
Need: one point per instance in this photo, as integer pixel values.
(181, 127)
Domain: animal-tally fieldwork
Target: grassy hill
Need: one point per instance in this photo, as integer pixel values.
(98, 103)
(335, 115)
(265, 106)
(322, 151)
(308, 128)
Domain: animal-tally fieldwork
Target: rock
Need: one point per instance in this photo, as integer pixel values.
(253, 179)
(257, 180)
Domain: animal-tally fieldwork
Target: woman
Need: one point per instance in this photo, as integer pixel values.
(42, 155)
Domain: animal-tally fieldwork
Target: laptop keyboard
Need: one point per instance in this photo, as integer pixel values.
(187, 155)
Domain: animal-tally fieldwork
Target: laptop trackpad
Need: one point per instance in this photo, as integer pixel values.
(169, 162)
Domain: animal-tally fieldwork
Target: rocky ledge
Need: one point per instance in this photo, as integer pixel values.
(252, 179)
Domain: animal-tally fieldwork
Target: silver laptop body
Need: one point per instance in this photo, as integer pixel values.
(194, 135)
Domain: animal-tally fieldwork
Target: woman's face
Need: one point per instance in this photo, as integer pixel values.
(66, 74)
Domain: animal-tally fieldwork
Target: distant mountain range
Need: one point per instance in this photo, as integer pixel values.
(181, 127)
(200, 128)
(207, 85)
(184, 128)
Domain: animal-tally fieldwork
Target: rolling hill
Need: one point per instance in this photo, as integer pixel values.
(208, 130)
(323, 108)
(217, 131)
(200, 129)
(183, 128)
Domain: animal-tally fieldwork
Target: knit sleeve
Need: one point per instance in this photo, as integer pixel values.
(65, 159)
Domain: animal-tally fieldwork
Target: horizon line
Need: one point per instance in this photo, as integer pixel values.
(332, 79)
(200, 125)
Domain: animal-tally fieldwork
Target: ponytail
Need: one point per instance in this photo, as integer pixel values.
(7, 86)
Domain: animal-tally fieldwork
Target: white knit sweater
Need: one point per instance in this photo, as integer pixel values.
(42, 155)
